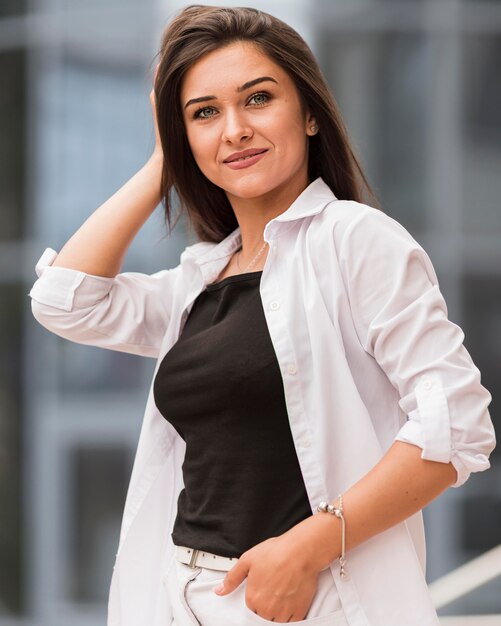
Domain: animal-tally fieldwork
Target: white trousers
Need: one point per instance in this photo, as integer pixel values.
(195, 604)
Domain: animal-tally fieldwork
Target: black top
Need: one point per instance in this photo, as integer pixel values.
(221, 388)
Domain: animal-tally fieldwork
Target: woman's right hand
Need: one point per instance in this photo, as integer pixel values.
(157, 151)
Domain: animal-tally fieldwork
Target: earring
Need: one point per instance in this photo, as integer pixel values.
(314, 128)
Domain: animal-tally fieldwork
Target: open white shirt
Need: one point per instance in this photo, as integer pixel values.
(367, 356)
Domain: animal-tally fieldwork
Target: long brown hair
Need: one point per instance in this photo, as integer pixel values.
(199, 29)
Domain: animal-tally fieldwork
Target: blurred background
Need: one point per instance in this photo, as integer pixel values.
(418, 83)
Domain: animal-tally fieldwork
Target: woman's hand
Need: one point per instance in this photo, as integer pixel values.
(157, 151)
(281, 577)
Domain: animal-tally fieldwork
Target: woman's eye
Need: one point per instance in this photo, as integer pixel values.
(261, 94)
(198, 112)
(262, 98)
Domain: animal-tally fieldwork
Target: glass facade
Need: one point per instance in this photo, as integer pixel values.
(417, 85)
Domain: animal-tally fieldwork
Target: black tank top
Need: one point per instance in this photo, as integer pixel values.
(221, 388)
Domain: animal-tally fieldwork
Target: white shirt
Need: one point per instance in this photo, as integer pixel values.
(367, 356)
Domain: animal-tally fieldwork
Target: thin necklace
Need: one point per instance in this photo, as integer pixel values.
(253, 260)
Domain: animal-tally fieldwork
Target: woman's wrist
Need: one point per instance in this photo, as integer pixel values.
(326, 540)
(318, 539)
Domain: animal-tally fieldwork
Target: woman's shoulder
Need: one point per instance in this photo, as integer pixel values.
(343, 220)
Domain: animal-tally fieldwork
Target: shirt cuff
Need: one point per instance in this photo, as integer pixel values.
(428, 426)
(65, 288)
(412, 432)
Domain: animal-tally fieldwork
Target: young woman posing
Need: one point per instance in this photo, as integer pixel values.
(303, 349)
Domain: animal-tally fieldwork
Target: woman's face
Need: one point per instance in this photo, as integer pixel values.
(231, 115)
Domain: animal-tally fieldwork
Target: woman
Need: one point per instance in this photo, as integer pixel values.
(304, 354)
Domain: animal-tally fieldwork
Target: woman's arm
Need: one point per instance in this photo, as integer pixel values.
(283, 570)
(399, 485)
(79, 294)
(99, 246)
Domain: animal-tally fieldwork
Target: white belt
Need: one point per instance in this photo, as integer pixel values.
(199, 558)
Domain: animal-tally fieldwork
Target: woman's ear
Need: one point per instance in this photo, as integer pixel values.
(311, 125)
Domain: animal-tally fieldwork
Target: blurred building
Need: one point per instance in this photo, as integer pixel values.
(418, 85)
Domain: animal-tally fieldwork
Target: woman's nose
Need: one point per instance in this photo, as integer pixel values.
(236, 127)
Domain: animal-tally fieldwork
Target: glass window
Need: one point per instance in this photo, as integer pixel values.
(481, 100)
(12, 113)
(11, 450)
(99, 479)
(381, 82)
(11, 8)
(90, 140)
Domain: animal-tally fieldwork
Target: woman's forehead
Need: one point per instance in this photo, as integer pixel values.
(228, 67)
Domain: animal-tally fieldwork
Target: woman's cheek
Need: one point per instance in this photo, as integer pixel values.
(202, 150)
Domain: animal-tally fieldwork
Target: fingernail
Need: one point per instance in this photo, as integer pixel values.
(218, 589)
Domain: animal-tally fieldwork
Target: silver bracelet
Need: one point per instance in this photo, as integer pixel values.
(325, 507)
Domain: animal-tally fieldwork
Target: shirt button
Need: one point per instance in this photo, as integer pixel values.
(427, 384)
(305, 442)
(274, 305)
(292, 369)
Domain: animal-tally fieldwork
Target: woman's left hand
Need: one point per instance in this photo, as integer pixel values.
(281, 578)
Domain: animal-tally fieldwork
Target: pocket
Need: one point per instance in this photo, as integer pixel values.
(325, 608)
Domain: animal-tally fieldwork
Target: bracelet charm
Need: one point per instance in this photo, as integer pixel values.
(325, 507)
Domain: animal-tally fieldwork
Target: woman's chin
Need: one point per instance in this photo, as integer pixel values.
(250, 187)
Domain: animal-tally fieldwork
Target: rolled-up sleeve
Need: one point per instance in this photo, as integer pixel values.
(128, 313)
(401, 320)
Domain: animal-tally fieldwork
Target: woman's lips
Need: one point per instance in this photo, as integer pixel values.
(246, 162)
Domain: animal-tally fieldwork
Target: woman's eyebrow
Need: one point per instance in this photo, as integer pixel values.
(245, 86)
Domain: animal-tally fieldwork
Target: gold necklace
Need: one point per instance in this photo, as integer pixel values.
(253, 260)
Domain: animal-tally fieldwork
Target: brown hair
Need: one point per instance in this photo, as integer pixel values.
(199, 29)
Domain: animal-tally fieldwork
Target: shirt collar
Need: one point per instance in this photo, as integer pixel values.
(312, 200)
